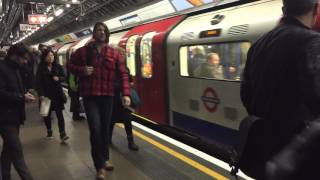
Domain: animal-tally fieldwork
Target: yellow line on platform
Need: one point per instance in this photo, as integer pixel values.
(180, 156)
(143, 118)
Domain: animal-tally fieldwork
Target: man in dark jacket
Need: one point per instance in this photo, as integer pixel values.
(281, 80)
(12, 110)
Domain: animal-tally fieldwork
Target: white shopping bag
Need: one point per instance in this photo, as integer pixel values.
(45, 106)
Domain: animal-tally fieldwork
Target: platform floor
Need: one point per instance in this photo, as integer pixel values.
(51, 160)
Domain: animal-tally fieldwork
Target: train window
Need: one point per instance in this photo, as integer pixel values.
(224, 61)
(146, 54)
(131, 54)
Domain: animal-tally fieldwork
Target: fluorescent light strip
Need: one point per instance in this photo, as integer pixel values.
(190, 149)
(50, 18)
(58, 12)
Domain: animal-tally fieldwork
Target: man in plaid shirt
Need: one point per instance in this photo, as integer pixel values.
(95, 64)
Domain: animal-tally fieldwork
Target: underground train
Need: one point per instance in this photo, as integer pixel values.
(163, 56)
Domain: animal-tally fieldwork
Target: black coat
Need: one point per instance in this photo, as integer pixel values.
(281, 81)
(47, 87)
(119, 113)
(12, 103)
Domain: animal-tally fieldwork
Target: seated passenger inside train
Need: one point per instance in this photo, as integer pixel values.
(211, 68)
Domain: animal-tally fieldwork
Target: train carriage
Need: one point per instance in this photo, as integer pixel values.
(210, 107)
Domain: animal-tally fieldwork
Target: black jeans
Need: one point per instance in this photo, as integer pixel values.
(75, 106)
(12, 152)
(98, 110)
(126, 120)
(47, 121)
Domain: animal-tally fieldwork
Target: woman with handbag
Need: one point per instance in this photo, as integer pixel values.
(48, 81)
(122, 114)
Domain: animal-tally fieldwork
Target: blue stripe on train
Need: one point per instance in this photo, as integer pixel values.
(209, 131)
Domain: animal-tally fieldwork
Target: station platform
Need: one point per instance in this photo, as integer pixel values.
(155, 160)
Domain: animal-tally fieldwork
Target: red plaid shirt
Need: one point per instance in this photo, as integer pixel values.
(101, 82)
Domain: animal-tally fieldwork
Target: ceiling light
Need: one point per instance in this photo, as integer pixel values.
(68, 5)
(58, 12)
(74, 1)
(50, 18)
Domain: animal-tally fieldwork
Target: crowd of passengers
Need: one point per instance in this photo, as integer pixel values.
(30, 76)
(280, 87)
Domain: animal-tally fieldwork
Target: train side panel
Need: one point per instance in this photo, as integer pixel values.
(210, 107)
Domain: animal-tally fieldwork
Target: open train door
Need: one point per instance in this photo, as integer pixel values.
(145, 57)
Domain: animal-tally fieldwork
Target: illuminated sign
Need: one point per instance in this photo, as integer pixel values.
(28, 27)
(187, 4)
(85, 32)
(37, 19)
(130, 20)
(67, 38)
(210, 33)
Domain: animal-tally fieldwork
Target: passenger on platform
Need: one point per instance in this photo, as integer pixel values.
(37, 54)
(13, 96)
(36, 58)
(210, 69)
(42, 48)
(281, 82)
(122, 114)
(95, 64)
(75, 104)
(48, 84)
(27, 74)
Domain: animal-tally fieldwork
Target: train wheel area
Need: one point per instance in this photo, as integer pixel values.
(157, 158)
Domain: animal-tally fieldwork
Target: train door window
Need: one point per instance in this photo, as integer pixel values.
(146, 54)
(131, 54)
(223, 61)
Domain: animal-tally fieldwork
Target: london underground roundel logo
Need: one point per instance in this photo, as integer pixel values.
(210, 99)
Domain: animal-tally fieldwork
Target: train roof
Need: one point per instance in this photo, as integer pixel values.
(230, 22)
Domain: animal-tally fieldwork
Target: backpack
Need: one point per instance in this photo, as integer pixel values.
(248, 156)
(73, 82)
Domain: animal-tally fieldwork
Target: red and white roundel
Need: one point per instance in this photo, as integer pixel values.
(210, 99)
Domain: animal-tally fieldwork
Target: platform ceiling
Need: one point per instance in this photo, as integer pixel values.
(80, 14)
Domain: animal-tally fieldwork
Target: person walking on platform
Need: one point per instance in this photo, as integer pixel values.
(13, 96)
(95, 66)
(48, 84)
(281, 80)
(122, 114)
(75, 106)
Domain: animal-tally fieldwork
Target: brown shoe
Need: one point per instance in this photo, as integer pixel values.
(101, 174)
(108, 166)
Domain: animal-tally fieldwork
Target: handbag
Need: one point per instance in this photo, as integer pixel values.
(135, 99)
(45, 107)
